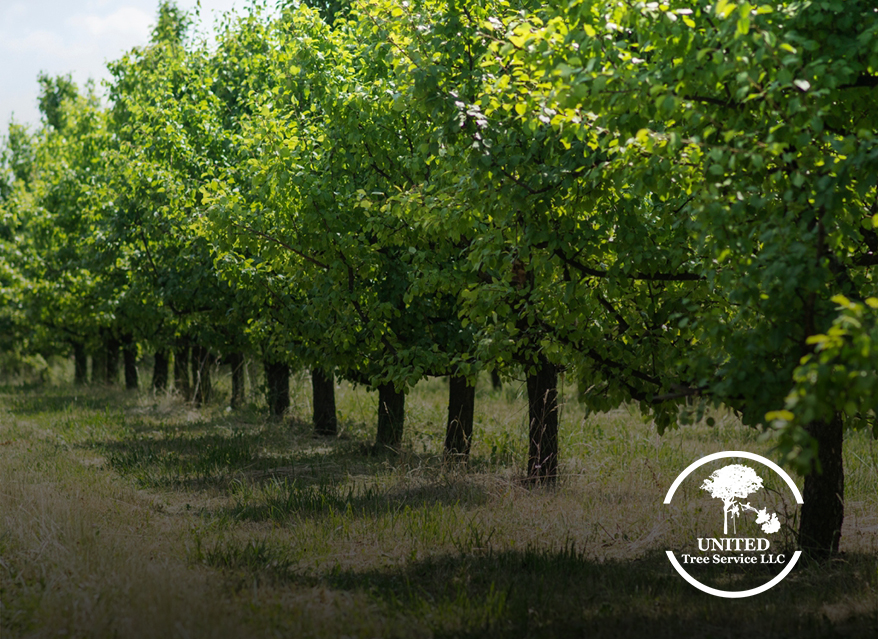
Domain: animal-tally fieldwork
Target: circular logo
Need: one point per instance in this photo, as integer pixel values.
(735, 487)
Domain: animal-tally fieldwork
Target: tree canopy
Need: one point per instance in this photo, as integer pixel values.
(674, 203)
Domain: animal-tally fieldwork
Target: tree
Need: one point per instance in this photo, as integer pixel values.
(836, 381)
(661, 200)
(473, 206)
(67, 298)
(169, 122)
(172, 24)
(759, 122)
(316, 227)
(730, 483)
(54, 92)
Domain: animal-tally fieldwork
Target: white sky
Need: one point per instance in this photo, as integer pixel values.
(72, 36)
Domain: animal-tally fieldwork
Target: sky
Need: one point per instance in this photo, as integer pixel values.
(72, 36)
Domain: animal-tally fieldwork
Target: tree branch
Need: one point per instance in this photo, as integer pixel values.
(654, 277)
(864, 80)
(623, 325)
(271, 238)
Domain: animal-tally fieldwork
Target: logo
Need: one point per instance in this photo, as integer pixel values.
(736, 486)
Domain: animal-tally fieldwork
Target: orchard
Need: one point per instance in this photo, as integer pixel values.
(671, 205)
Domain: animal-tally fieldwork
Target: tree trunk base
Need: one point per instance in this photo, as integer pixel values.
(129, 359)
(99, 364)
(236, 361)
(391, 416)
(112, 346)
(181, 370)
(277, 379)
(160, 371)
(80, 364)
(459, 428)
(823, 510)
(542, 399)
(323, 396)
(201, 362)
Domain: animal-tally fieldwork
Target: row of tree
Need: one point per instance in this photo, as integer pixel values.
(662, 199)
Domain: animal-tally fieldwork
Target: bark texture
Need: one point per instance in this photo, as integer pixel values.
(823, 510)
(277, 379)
(542, 399)
(323, 396)
(160, 371)
(80, 364)
(236, 362)
(99, 364)
(129, 358)
(391, 416)
(181, 369)
(459, 428)
(202, 386)
(112, 346)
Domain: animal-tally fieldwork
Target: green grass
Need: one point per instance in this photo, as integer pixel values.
(129, 515)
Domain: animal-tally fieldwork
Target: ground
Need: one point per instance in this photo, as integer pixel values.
(127, 515)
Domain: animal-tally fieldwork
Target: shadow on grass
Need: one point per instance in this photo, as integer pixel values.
(283, 462)
(276, 470)
(215, 453)
(285, 499)
(564, 593)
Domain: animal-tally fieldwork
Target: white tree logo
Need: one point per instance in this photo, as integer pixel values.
(734, 482)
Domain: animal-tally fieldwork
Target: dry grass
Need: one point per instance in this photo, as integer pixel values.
(132, 516)
(84, 555)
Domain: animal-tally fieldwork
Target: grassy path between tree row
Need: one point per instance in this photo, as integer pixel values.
(122, 516)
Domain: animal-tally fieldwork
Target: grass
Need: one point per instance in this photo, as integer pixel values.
(133, 516)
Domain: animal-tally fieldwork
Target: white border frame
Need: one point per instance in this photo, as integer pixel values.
(729, 594)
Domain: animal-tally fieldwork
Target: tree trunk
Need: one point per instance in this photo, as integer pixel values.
(277, 379)
(129, 359)
(181, 369)
(251, 373)
(323, 395)
(236, 361)
(496, 384)
(391, 415)
(99, 364)
(112, 345)
(459, 428)
(542, 399)
(823, 510)
(201, 375)
(80, 364)
(160, 371)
